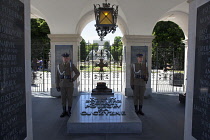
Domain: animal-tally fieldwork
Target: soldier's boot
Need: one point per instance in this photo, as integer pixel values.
(64, 113)
(140, 110)
(136, 109)
(69, 111)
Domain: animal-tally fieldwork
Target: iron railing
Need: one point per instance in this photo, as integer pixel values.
(40, 67)
(90, 73)
(167, 75)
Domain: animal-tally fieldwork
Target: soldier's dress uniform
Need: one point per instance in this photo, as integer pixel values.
(138, 79)
(64, 82)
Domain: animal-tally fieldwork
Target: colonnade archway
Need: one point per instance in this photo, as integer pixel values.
(136, 20)
(89, 16)
(168, 58)
(91, 50)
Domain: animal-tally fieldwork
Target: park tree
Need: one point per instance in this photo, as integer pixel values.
(95, 46)
(168, 44)
(91, 47)
(107, 45)
(167, 31)
(83, 52)
(116, 49)
(40, 43)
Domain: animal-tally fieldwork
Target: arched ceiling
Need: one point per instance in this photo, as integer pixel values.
(180, 18)
(136, 17)
(178, 15)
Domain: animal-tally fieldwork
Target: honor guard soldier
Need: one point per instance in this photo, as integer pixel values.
(64, 82)
(138, 80)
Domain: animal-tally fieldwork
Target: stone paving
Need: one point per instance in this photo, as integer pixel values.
(164, 120)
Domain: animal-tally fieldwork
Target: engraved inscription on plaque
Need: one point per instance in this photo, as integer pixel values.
(201, 98)
(107, 106)
(12, 71)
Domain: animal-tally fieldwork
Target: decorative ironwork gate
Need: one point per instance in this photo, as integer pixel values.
(100, 64)
(40, 67)
(168, 69)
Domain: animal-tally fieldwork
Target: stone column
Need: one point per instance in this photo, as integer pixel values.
(185, 64)
(144, 42)
(190, 70)
(27, 16)
(61, 43)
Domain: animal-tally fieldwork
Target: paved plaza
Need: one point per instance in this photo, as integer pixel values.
(164, 120)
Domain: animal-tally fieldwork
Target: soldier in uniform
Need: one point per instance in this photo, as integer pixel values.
(138, 80)
(64, 82)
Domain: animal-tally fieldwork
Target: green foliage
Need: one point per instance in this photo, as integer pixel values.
(95, 46)
(40, 43)
(116, 49)
(106, 45)
(88, 48)
(39, 30)
(85, 49)
(91, 47)
(167, 32)
(83, 52)
(168, 44)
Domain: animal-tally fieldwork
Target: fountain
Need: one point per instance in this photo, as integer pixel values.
(96, 55)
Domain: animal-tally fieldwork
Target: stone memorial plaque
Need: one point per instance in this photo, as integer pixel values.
(201, 97)
(139, 49)
(59, 50)
(12, 71)
(104, 114)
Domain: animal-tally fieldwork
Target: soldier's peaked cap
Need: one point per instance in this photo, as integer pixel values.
(65, 54)
(139, 55)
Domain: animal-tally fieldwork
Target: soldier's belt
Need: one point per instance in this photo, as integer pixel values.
(140, 76)
(65, 77)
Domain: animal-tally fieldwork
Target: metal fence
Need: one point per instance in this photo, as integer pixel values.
(167, 75)
(90, 68)
(40, 67)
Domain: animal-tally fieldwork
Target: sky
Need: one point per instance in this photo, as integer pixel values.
(89, 33)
